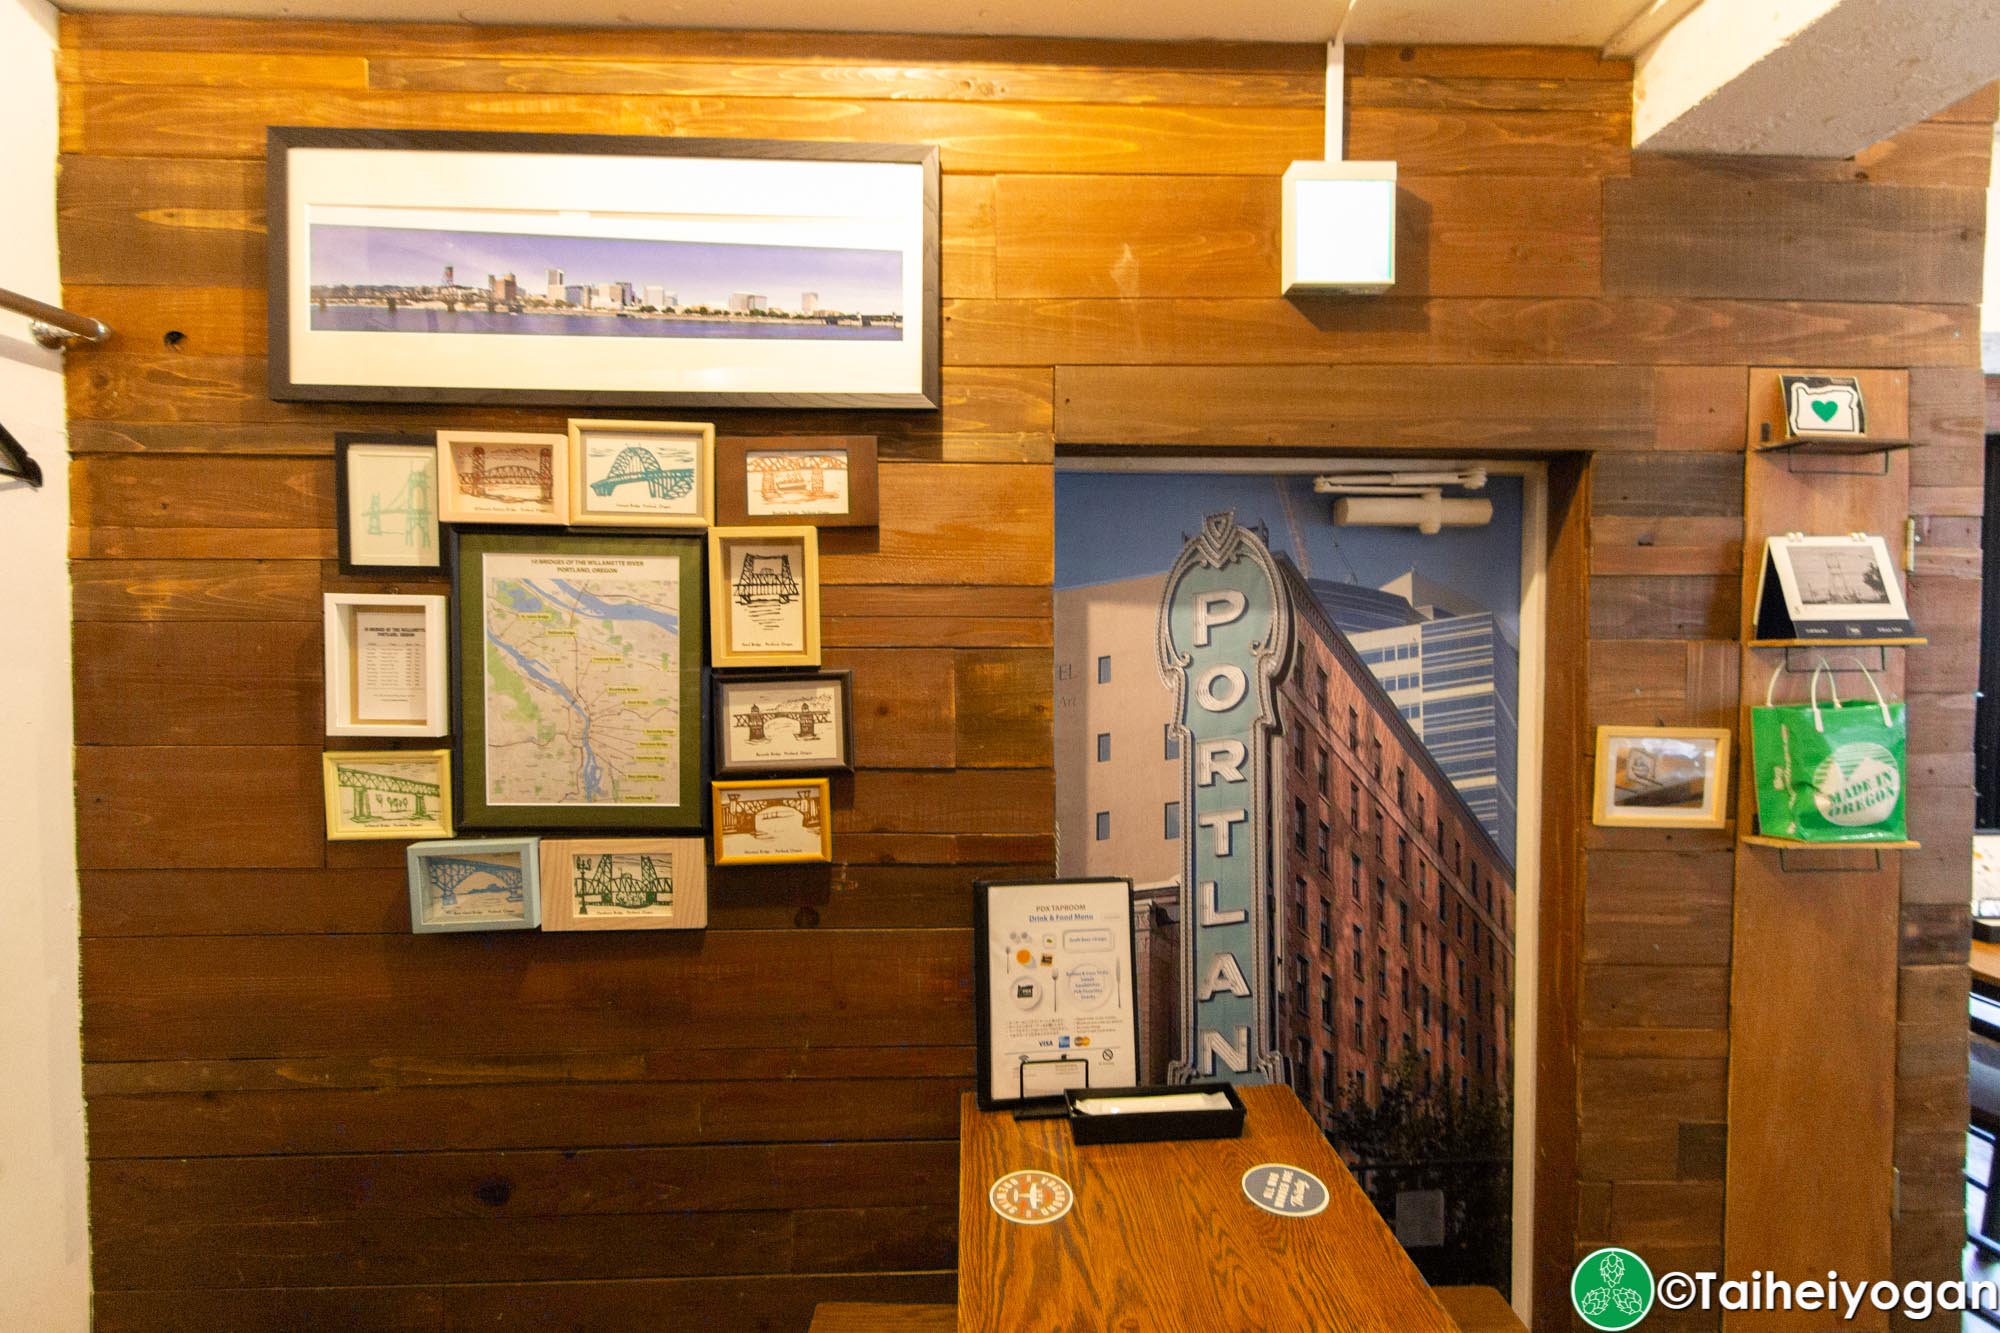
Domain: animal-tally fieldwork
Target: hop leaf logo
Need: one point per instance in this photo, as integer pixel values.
(1612, 1289)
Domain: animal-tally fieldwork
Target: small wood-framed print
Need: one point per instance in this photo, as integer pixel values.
(1057, 1004)
(763, 596)
(828, 481)
(642, 474)
(624, 884)
(577, 686)
(503, 477)
(784, 722)
(475, 884)
(385, 665)
(386, 498)
(1661, 777)
(373, 794)
(773, 822)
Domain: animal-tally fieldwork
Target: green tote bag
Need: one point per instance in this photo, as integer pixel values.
(1829, 772)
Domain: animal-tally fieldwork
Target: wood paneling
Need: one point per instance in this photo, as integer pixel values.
(303, 1117)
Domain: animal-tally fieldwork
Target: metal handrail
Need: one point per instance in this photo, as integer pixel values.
(52, 326)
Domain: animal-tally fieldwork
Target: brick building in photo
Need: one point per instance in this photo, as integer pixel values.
(1392, 910)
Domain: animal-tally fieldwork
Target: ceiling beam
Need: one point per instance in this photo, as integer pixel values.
(1808, 78)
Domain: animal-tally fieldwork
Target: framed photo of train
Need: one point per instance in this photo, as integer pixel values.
(763, 597)
(783, 722)
(826, 481)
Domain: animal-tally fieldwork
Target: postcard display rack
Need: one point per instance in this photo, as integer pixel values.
(1815, 926)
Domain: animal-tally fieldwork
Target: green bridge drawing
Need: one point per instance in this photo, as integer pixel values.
(364, 782)
(614, 882)
(637, 464)
(448, 873)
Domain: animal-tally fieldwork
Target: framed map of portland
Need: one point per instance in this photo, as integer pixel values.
(578, 680)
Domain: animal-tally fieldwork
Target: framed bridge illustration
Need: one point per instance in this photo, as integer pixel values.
(764, 596)
(783, 722)
(475, 884)
(773, 823)
(642, 474)
(624, 884)
(387, 794)
(577, 694)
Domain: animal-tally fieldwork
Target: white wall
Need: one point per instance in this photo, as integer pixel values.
(44, 1243)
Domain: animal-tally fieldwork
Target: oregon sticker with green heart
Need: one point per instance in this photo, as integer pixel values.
(1823, 409)
(1612, 1289)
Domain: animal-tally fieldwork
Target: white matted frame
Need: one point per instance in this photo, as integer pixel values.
(386, 665)
(504, 477)
(465, 267)
(641, 474)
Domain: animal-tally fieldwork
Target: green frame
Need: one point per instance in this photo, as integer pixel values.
(468, 549)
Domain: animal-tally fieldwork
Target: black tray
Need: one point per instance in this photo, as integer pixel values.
(1154, 1126)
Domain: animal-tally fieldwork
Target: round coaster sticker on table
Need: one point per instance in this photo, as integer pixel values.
(1031, 1198)
(1288, 1191)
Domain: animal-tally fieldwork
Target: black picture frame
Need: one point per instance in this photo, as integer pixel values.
(468, 548)
(343, 444)
(287, 386)
(721, 720)
(989, 1097)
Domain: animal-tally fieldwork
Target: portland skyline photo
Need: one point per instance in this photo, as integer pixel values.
(419, 280)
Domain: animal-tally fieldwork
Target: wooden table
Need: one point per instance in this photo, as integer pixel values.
(1986, 964)
(1161, 1237)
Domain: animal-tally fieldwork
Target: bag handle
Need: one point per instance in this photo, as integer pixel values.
(1869, 676)
(1812, 693)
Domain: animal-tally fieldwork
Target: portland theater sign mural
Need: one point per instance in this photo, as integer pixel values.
(1225, 634)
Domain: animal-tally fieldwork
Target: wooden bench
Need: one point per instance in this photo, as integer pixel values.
(856, 1317)
(1474, 1309)
(1479, 1310)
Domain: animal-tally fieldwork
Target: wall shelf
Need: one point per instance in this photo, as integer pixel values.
(1795, 845)
(1912, 642)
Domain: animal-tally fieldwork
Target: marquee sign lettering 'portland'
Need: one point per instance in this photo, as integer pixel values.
(1225, 633)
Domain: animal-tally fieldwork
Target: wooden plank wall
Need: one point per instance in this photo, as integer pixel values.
(301, 1116)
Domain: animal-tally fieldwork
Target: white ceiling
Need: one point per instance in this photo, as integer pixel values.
(1512, 22)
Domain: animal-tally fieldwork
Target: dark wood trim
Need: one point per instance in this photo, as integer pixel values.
(1565, 719)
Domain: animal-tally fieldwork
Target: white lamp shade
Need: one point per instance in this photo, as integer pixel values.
(1340, 227)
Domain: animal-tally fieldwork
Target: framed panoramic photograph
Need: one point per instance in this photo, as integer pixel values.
(386, 502)
(385, 665)
(773, 823)
(577, 680)
(1661, 777)
(503, 477)
(625, 884)
(783, 722)
(475, 884)
(823, 481)
(602, 270)
(641, 474)
(763, 596)
(373, 794)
